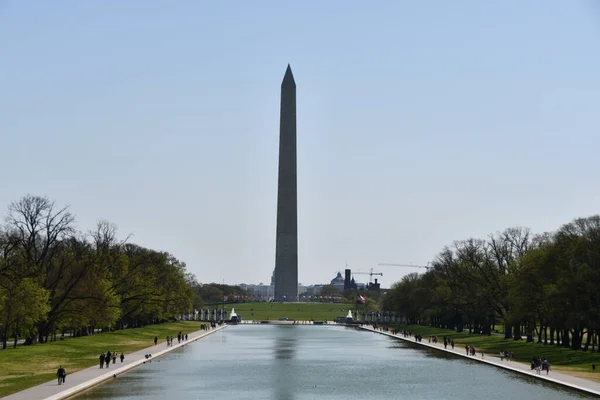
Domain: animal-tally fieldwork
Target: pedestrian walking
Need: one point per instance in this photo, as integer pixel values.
(62, 374)
(102, 357)
(122, 357)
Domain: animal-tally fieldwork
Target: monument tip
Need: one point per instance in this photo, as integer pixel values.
(288, 77)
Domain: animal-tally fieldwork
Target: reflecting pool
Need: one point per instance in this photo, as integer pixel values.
(317, 362)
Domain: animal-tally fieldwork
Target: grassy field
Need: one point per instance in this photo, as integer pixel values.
(296, 311)
(573, 362)
(28, 366)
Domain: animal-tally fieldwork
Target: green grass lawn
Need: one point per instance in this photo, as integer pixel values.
(574, 362)
(27, 366)
(296, 311)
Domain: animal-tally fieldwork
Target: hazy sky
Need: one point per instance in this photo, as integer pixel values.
(419, 123)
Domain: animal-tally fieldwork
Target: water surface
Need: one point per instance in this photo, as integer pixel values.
(317, 362)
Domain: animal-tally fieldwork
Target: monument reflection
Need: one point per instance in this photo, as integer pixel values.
(284, 351)
(285, 348)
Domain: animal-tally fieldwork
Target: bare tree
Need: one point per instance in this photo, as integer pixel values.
(506, 250)
(105, 236)
(38, 227)
(509, 246)
(9, 244)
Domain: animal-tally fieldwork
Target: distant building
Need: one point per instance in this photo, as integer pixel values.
(314, 290)
(302, 288)
(338, 282)
(348, 280)
(308, 293)
(374, 287)
(260, 292)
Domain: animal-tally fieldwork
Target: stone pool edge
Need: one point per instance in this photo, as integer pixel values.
(111, 375)
(492, 363)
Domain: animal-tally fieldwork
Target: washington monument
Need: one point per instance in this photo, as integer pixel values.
(286, 247)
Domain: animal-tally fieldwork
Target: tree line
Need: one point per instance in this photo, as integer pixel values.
(542, 287)
(56, 279)
(215, 294)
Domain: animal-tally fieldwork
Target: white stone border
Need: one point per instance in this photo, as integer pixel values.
(102, 378)
(495, 364)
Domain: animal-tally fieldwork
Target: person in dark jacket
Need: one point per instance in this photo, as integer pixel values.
(62, 374)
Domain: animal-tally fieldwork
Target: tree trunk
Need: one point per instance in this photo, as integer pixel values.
(551, 335)
(486, 327)
(529, 327)
(576, 338)
(4, 337)
(588, 340)
(458, 322)
(41, 332)
(565, 338)
(545, 335)
(517, 331)
(507, 331)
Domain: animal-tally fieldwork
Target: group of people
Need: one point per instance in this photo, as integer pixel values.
(447, 341)
(394, 331)
(105, 358)
(471, 350)
(509, 355)
(180, 337)
(540, 365)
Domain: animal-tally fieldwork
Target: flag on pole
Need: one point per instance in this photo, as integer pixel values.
(225, 298)
(361, 299)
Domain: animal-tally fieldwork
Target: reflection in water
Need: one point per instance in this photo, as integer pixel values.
(285, 349)
(257, 362)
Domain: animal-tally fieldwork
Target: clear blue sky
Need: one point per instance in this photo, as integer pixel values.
(419, 123)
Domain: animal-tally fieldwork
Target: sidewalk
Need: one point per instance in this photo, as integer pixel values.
(86, 378)
(562, 379)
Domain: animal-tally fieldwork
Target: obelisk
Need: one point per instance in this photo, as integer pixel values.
(286, 248)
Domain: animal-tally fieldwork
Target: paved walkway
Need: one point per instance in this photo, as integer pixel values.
(86, 378)
(562, 379)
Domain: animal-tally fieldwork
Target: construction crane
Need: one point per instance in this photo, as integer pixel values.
(369, 273)
(405, 265)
